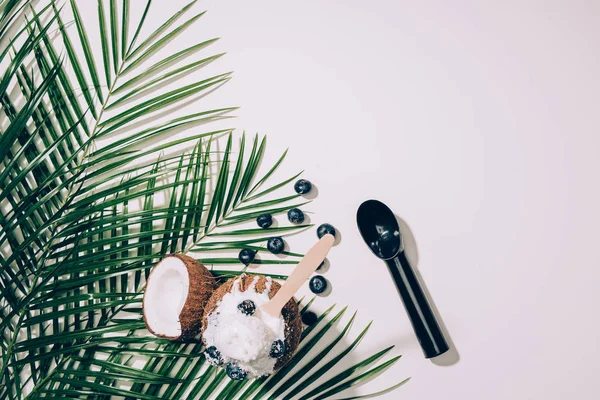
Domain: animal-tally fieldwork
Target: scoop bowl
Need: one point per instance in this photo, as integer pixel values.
(379, 228)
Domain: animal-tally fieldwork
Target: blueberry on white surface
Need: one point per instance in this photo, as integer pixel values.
(275, 245)
(325, 229)
(303, 186)
(318, 284)
(296, 216)
(264, 220)
(322, 265)
(246, 256)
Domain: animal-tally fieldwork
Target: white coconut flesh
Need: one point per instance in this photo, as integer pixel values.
(165, 296)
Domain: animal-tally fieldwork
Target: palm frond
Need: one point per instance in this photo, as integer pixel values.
(92, 196)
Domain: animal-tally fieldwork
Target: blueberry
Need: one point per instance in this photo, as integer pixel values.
(277, 349)
(264, 220)
(320, 267)
(247, 307)
(296, 216)
(235, 372)
(246, 256)
(309, 318)
(275, 245)
(324, 230)
(303, 186)
(213, 356)
(318, 284)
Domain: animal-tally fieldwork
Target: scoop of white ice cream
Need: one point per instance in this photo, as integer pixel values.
(245, 340)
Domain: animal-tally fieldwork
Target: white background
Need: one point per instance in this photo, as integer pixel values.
(477, 122)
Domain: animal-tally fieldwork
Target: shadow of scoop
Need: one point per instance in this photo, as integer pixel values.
(410, 255)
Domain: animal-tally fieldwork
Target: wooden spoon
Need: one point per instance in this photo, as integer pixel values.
(301, 273)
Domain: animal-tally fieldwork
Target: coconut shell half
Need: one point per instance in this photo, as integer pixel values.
(176, 293)
(290, 313)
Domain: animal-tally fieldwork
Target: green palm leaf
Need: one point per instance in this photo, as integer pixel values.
(93, 195)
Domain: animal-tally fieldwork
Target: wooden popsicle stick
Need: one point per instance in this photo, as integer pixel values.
(301, 273)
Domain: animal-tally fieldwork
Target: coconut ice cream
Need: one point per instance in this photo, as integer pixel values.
(242, 338)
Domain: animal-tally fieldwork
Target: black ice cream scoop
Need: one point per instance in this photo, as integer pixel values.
(380, 230)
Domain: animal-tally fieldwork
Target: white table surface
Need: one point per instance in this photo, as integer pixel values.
(478, 123)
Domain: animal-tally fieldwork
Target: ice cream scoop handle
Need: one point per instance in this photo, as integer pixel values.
(301, 273)
(419, 311)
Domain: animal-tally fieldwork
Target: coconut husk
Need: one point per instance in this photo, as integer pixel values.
(202, 284)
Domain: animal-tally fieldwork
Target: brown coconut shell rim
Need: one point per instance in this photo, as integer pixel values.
(198, 275)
